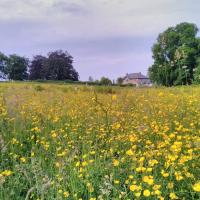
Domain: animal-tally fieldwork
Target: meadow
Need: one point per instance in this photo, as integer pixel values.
(73, 142)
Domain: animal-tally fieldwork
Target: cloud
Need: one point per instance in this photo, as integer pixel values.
(100, 34)
(71, 8)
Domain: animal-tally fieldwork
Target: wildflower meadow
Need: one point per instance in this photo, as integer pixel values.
(61, 141)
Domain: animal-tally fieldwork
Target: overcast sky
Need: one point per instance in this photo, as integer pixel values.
(105, 37)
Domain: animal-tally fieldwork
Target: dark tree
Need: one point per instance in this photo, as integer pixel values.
(120, 81)
(58, 66)
(3, 63)
(16, 67)
(175, 55)
(36, 68)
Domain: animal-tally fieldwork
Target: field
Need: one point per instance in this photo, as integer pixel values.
(97, 143)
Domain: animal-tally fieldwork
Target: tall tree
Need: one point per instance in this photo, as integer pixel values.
(59, 66)
(16, 67)
(3, 63)
(175, 55)
(36, 68)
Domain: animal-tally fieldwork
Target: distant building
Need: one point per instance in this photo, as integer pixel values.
(137, 79)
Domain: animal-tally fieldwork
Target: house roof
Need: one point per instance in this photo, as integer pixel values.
(136, 76)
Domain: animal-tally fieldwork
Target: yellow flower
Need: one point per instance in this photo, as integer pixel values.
(126, 182)
(23, 159)
(6, 173)
(92, 152)
(148, 180)
(157, 192)
(146, 193)
(57, 164)
(149, 169)
(53, 134)
(90, 187)
(138, 194)
(172, 195)
(196, 186)
(164, 174)
(178, 176)
(60, 191)
(116, 182)
(114, 97)
(32, 154)
(130, 176)
(115, 162)
(77, 164)
(140, 169)
(84, 163)
(156, 187)
(133, 187)
(65, 194)
(130, 152)
(170, 185)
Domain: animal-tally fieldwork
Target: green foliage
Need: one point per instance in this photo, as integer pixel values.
(16, 67)
(105, 81)
(197, 73)
(3, 60)
(175, 55)
(57, 66)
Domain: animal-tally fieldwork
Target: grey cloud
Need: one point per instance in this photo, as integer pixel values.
(72, 8)
(106, 37)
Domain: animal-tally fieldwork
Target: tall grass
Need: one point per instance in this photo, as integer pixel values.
(85, 142)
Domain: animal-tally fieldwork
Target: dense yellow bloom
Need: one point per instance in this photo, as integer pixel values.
(148, 179)
(95, 141)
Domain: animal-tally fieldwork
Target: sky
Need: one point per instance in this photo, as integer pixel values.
(106, 37)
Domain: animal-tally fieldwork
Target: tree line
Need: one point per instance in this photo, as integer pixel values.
(176, 55)
(57, 65)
